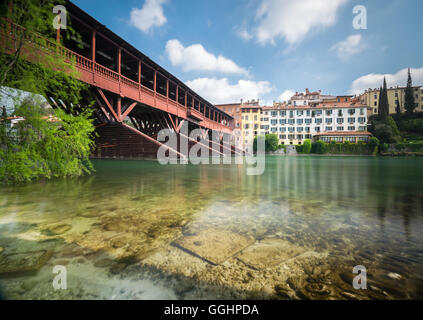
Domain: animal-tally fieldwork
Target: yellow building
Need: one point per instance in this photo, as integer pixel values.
(396, 96)
(250, 115)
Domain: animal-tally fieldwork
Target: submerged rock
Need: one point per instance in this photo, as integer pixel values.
(214, 245)
(22, 263)
(57, 229)
(269, 253)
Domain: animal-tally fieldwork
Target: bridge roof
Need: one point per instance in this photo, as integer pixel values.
(100, 28)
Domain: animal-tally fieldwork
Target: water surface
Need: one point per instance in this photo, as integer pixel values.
(115, 231)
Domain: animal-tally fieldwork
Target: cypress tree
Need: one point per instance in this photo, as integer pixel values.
(380, 108)
(383, 102)
(409, 95)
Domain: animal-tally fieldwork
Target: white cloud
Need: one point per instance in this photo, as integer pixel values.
(373, 80)
(196, 58)
(286, 95)
(221, 91)
(149, 16)
(348, 47)
(293, 20)
(244, 34)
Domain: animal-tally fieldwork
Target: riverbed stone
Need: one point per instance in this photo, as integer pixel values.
(269, 253)
(214, 245)
(22, 263)
(57, 229)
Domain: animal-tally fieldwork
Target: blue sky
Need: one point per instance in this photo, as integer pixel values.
(232, 49)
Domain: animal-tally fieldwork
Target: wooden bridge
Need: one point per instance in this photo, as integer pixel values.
(135, 98)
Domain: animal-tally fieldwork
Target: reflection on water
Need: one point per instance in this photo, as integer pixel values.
(139, 230)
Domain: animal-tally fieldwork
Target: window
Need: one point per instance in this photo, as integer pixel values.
(351, 120)
(274, 113)
(291, 121)
(255, 118)
(328, 128)
(318, 112)
(361, 120)
(307, 129)
(328, 120)
(299, 121)
(273, 129)
(282, 113)
(361, 112)
(351, 111)
(339, 113)
(307, 121)
(282, 129)
(291, 136)
(339, 128)
(308, 113)
(300, 137)
(282, 136)
(282, 121)
(291, 114)
(351, 128)
(318, 120)
(246, 117)
(246, 126)
(291, 129)
(317, 129)
(375, 104)
(299, 129)
(328, 112)
(340, 120)
(273, 122)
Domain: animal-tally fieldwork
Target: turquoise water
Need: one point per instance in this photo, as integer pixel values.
(315, 217)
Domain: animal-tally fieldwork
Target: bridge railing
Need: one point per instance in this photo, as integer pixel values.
(14, 32)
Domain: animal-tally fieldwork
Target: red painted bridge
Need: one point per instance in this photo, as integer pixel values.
(134, 97)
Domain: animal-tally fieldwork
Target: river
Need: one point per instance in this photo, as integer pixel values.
(140, 230)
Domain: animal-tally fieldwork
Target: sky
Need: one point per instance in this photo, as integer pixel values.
(227, 50)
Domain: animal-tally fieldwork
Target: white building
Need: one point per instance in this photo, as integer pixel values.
(339, 119)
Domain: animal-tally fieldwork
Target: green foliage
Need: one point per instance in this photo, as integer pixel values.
(319, 147)
(383, 110)
(299, 148)
(307, 146)
(409, 103)
(45, 145)
(272, 142)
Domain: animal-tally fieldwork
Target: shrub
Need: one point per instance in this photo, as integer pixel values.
(319, 147)
(299, 148)
(307, 146)
(272, 142)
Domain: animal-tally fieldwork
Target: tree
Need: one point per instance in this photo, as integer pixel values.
(383, 102)
(271, 142)
(48, 144)
(409, 104)
(45, 144)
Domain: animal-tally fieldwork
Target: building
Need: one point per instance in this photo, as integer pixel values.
(234, 110)
(251, 122)
(341, 116)
(308, 98)
(396, 96)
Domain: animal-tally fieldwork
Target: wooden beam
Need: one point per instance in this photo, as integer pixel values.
(108, 104)
(128, 110)
(93, 44)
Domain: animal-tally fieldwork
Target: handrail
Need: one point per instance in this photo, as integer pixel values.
(11, 29)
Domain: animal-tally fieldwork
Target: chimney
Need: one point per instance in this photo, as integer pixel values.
(307, 92)
(242, 101)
